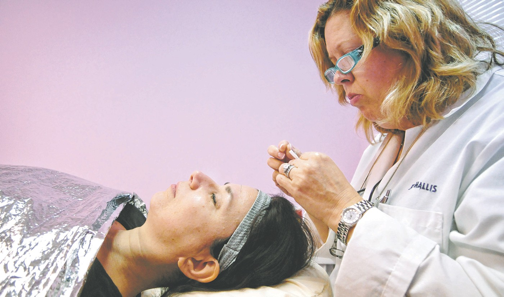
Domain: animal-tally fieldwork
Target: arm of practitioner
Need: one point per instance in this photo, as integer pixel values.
(395, 259)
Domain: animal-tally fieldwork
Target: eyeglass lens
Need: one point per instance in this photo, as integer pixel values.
(345, 64)
(330, 75)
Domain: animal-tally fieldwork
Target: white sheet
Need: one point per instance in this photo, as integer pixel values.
(310, 282)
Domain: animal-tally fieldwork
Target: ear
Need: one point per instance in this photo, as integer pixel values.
(203, 269)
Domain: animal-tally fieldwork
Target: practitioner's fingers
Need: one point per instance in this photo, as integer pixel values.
(274, 178)
(285, 151)
(293, 152)
(278, 152)
(274, 152)
(286, 168)
(279, 155)
(274, 163)
(284, 183)
(290, 151)
(282, 146)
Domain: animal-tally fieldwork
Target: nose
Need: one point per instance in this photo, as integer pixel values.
(341, 79)
(199, 179)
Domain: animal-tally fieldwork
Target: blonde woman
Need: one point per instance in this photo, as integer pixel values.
(423, 214)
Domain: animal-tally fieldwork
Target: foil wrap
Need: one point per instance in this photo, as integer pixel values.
(51, 227)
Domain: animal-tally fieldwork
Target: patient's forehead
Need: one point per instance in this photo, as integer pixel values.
(251, 192)
(241, 198)
(245, 193)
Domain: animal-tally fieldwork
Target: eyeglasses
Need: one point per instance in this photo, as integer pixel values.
(345, 64)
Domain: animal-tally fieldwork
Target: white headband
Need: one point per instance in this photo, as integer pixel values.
(230, 250)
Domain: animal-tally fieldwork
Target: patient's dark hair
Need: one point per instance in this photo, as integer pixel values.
(279, 245)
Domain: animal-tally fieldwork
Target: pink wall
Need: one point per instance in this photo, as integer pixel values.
(136, 95)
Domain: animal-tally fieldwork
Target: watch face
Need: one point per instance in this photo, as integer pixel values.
(350, 216)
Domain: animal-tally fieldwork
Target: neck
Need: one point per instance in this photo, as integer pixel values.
(129, 263)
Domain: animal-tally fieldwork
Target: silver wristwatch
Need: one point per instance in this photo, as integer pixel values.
(350, 216)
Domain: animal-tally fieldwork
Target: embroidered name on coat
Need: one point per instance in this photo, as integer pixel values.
(424, 186)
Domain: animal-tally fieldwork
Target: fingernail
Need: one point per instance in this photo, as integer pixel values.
(281, 155)
(282, 146)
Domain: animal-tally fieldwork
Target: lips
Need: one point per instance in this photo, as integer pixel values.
(174, 189)
(353, 98)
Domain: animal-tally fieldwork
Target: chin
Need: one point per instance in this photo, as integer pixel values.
(374, 119)
(156, 201)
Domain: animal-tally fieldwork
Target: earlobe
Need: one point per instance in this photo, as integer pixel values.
(203, 270)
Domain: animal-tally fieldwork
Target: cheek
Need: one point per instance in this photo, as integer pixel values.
(178, 217)
(376, 80)
(183, 232)
(201, 234)
(381, 71)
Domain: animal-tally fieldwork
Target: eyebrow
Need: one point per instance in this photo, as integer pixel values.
(228, 189)
(231, 199)
(341, 46)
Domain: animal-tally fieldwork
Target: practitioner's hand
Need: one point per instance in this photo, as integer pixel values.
(280, 154)
(319, 186)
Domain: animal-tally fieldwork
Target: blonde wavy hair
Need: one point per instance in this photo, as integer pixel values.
(439, 41)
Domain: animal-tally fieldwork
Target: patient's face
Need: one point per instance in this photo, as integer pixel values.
(189, 216)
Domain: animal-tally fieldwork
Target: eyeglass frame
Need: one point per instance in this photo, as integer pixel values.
(355, 54)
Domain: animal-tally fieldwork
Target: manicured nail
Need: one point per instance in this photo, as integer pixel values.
(281, 156)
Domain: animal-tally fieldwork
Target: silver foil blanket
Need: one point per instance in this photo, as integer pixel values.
(51, 227)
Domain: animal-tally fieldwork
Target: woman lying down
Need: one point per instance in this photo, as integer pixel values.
(201, 236)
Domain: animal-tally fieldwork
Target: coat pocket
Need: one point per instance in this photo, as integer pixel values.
(427, 223)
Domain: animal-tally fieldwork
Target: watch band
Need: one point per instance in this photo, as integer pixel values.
(342, 231)
(343, 228)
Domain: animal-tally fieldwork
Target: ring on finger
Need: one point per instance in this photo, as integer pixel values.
(287, 169)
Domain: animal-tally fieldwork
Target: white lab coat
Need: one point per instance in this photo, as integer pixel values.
(441, 231)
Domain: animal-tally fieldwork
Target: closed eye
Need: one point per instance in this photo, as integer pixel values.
(214, 198)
